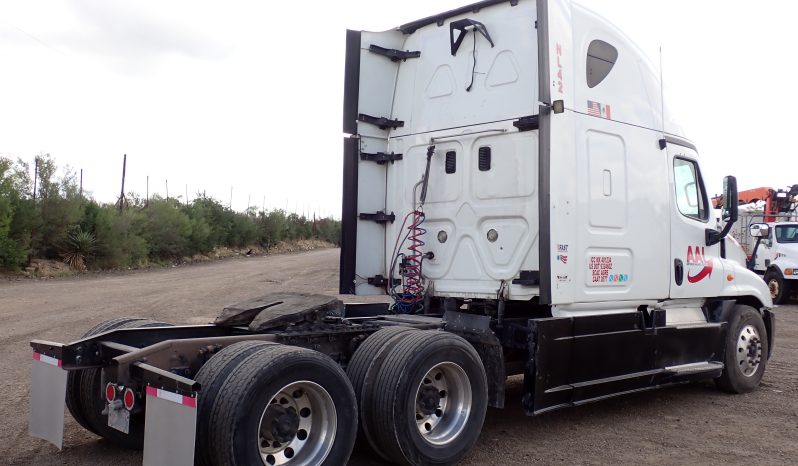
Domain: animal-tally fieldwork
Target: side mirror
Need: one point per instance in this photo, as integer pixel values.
(730, 204)
(730, 211)
(759, 230)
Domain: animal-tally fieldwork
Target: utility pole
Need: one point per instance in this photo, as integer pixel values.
(186, 193)
(35, 176)
(148, 189)
(230, 205)
(167, 190)
(81, 183)
(122, 201)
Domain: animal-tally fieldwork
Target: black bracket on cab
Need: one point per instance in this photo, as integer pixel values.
(380, 282)
(380, 157)
(528, 278)
(527, 123)
(461, 25)
(379, 217)
(381, 122)
(393, 54)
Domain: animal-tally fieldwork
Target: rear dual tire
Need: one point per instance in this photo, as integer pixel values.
(73, 388)
(280, 405)
(423, 401)
(211, 377)
(86, 395)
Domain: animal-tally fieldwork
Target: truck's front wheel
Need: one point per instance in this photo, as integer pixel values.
(779, 288)
(284, 405)
(746, 351)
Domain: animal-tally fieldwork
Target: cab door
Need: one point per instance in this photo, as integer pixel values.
(766, 252)
(696, 267)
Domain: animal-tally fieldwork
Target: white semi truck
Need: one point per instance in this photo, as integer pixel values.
(510, 184)
(775, 257)
(767, 230)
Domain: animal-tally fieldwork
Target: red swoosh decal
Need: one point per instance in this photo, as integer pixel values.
(705, 272)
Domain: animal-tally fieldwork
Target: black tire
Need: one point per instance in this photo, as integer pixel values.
(367, 352)
(367, 360)
(745, 328)
(243, 398)
(778, 286)
(73, 377)
(92, 400)
(211, 378)
(398, 395)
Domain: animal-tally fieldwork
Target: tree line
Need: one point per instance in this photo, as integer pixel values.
(50, 218)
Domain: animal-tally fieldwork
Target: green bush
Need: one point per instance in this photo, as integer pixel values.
(17, 215)
(166, 229)
(119, 241)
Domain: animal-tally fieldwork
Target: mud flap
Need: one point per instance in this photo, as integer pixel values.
(169, 428)
(47, 399)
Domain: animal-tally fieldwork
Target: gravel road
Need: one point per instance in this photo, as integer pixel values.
(693, 424)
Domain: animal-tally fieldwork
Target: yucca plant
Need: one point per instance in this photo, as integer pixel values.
(78, 247)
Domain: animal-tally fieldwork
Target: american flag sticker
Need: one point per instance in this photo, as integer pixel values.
(597, 110)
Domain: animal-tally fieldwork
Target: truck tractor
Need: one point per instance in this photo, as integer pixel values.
(766, 231)
(515, 189)
(775, 257)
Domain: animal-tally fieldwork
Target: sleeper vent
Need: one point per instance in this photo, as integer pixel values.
(484, 159)
(451, 162)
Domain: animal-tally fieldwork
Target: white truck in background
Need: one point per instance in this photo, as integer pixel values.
(776, 258)
(767, 230)
(510, 183)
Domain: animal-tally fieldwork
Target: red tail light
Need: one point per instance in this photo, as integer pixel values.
(110, 392)
(129, 399)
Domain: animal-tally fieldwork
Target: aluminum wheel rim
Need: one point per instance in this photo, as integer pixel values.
(310, 409)
(749, 350)
(442, 424)
(773, 286)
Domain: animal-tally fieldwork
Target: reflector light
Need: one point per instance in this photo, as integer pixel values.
(110, 392)
(788, 272)
(129, 399)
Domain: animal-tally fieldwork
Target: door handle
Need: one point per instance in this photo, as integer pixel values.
(678, 269)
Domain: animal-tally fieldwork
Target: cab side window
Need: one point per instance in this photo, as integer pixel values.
(601, 57)
(690, 196)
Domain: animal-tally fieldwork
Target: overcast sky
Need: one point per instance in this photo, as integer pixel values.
(248, 94)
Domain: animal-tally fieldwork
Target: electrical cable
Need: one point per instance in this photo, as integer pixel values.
(474, 68)
(412, 282)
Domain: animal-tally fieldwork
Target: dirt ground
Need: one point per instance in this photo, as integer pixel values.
(693, 424)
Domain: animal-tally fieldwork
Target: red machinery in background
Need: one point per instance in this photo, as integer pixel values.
(777, 201)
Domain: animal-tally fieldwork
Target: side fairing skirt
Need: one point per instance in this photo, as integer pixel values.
(573, 361)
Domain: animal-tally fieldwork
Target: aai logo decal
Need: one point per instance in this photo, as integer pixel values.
(698, 267)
